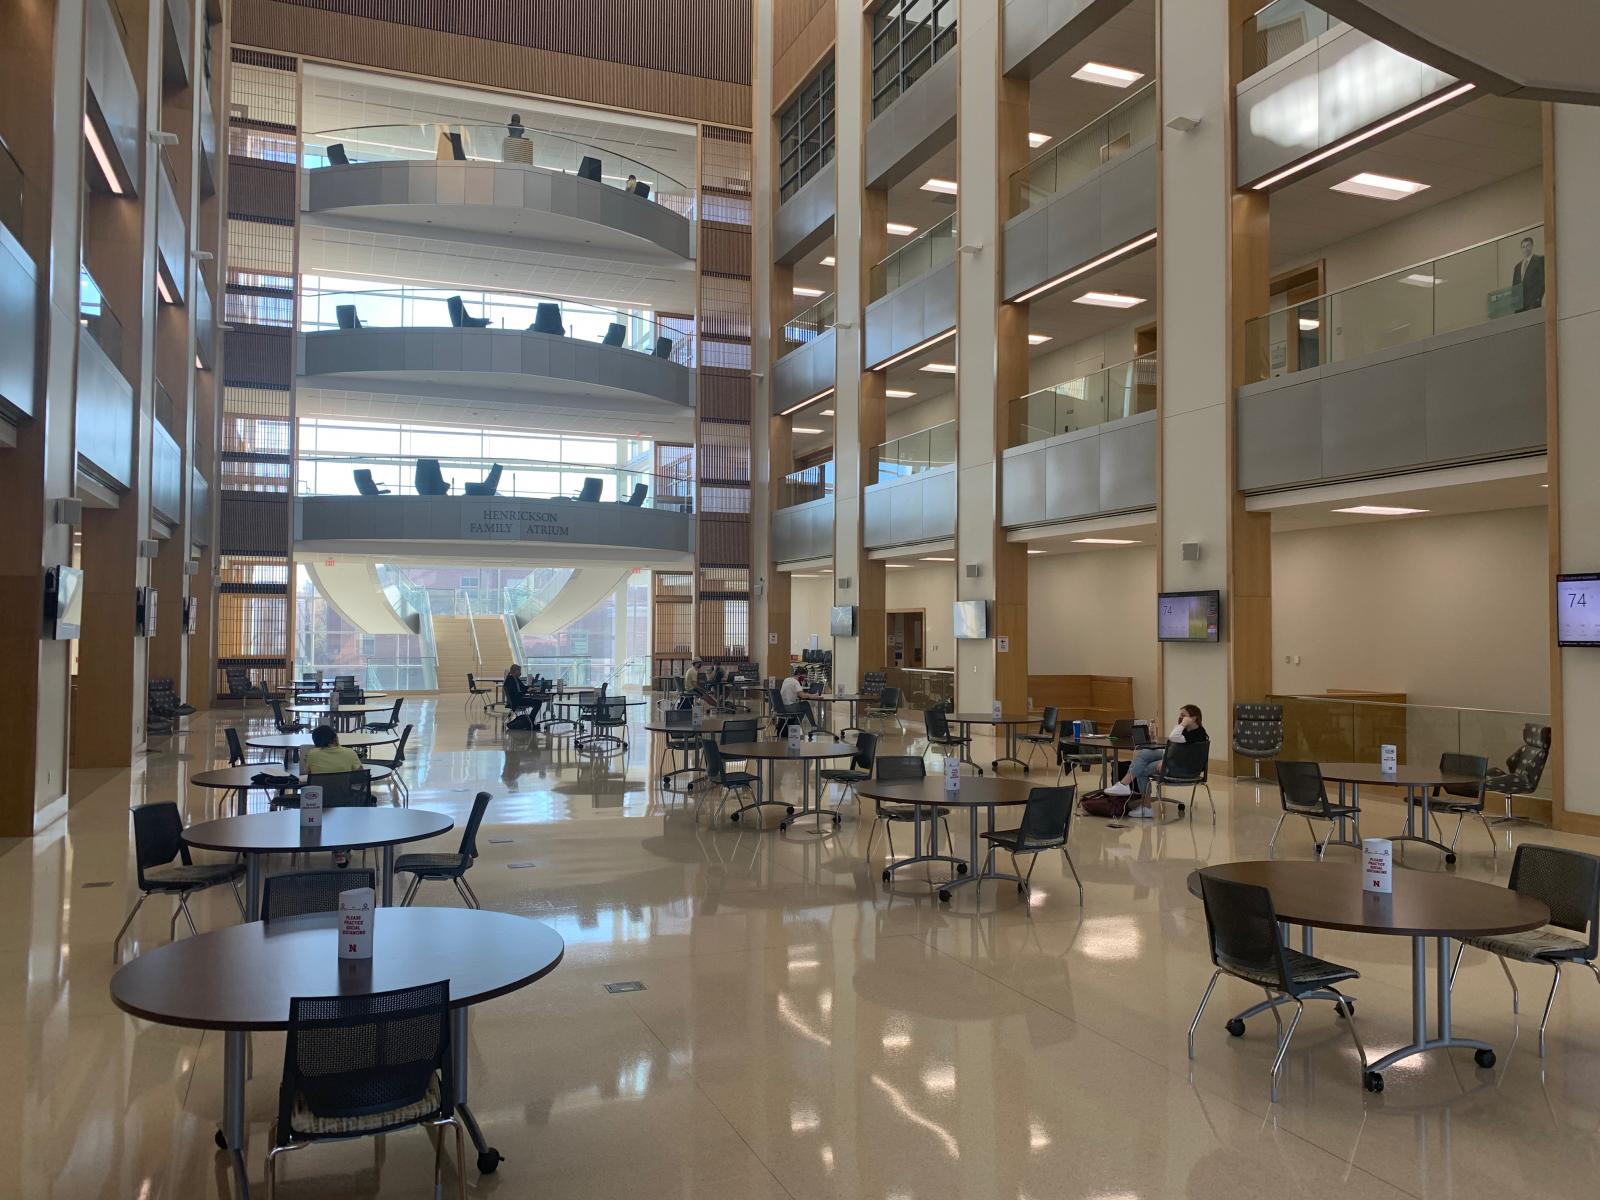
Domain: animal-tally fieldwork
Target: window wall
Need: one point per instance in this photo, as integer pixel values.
(805, 133)
(908, 37)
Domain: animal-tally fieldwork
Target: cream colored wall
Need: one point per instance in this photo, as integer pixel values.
(1449, 610)
(1095, 614)
(933, 589)
(1077, 359)
(923, 413)
(810, 601)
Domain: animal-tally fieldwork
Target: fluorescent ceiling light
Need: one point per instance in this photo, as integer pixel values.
(1109, 300)
(1419, 279)
(940, 368)
(899, 394)
(899, 230)
(935, 558)
(1035, 140)
(807, 291)
(1379, 187)
(1035, 551)
(899, 566)
(100, 157)
(830, 261)
(1085, 268)
(1105, 541)
(945, 187)
(1117, 77)
(1038, 339)
(1380, 510)
(1309, 323)
(198, 365)
(913, 351)
(809, 400)
(806, 429)
(161, 289)
(797, 575)
(827, 412)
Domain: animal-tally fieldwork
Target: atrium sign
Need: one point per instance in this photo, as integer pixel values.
(509, 521)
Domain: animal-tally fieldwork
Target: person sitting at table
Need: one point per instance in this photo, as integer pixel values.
(1137, 779)
(326, 756)
(792, 693)
(513, 689)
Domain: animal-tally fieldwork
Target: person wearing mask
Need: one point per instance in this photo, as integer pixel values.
(1148, 758)
(326, 756)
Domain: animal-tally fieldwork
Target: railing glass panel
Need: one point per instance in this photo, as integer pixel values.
(1080, 154)
(1280, 28)
(802, 487)
(933, 247)
(11, 188)
(1118, 391)
(96, 316)
(811, 322)
(917, 452)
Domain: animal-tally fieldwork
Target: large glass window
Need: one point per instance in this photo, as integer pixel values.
(908, 37)
(805, 133)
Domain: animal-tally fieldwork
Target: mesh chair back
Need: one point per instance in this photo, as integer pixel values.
(1301, 788)
(1186, 762)
(1465, 764)
(1258, 729)
(1047, 818)
(235, 747)
(896, 767)
(400, 747)
(611, 713)
(1568, 881)
(344, 789)
(1526, 764)
(933, 720)
(298, 893)
(469, 836)
(283, 723)
(679, 718)
(351, 1056)
(1242, 927)
(889, 699)
(157, 836)
(734, 732)
(866, 751)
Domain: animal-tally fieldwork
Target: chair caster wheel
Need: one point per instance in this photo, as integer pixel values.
(734, 818)
(887, 876)
(789, 809)
(488, 1160)
(1024, 770)
(1449, 858)
(944, 895)
(220, 1140)
(1372, 1081)
(995, 765)
(1235, 1027)
(1182, 809)
(1020, 889)
(837, 819)
(1484, 1058)
(961, 868)
(783, 826)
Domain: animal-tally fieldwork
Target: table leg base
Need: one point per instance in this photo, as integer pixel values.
(1482, 1051)
(488, 1157)
(960, 864)
(791, 822)
(694, 773)
(1255, 1010)
(944, 892)
(757, 805)
(1449, 854)
(1011, 758)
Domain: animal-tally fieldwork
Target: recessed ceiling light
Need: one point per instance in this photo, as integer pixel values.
(161, 289)
(940, 368)
(1035, 551)
(1036, 140)
(1420, 279)
(825, 570)
(1309, 323)
(806, 429)
(100, 157)
(1379, 187)
(1117, 77)
(899, 230)
(899, 394)
(827, 412)
(829, 261)
(806, 291)
(1380, 510)
(1105, 541)
(1038, 339)
(797, 575)
(945, 187)
(1109, 300)
(899, 566)
(934, 558)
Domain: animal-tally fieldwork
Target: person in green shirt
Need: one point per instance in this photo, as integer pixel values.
(326, 756)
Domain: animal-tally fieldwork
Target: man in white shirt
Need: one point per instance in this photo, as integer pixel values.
(791, 693)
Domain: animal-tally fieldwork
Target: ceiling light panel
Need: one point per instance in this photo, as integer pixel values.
(807, 291)
(944, 187)
(1109, 300)
(1105, 541)
(940, 368)
(1117, 77)
(1036, 140)
(1379, 187)
(1038, 339)
(899, 230)
(1380, 510)
(899, 393)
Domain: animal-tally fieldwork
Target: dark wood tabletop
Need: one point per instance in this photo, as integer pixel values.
(779, 750)
(1105, 740)
(1401, 776)
(341, 829)
(343, 708)
(242, 977)
(989, 718)
(302, 741)
(980, 791)
(240, 777)
(707, 725)
(1423, 903)
(313, 697)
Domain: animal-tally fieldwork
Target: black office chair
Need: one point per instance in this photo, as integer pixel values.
(1046, 825)
(283, 723)
(344, 789)
(888, 707)
(859, 770)
(939, 735)
(459, 317)
(589, 168)
(1524, 769)
(157, 841)
(891, 769)
(1185, 764)
(336, 155)
(391, 724)
(1257, 732)
(487, 485)
(614, 335)
(451, 868)
(430, 479)
(608, 726)
(547, 319)
(345, 315)
(1045, 735)
(1242, 928)
(361, 1065)
(736, 733)
(394, 761)
(366, 485)
(1464, 800)
(718, 775)
(592, 487)
(663, 346)
(298, 893)
(477, 691)
(636, 497)
(1303, 793)
(641, 188)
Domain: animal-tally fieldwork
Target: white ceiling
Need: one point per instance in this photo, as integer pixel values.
(1138, 528)
(1060, 105)
(1056, 313)
(910, 205)
(1487, 487)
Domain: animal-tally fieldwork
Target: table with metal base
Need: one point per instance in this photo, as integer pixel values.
(707, 726)
(1417, 781)
(290, 744)
(1423, 905)
(241, 979)
(987, 793)
(240, 780)
(339, 717)
(850, 698)
(1006, 721)
(1107, 746)
(767, 754)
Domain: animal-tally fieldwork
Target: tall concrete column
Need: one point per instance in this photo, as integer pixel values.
(769, 608)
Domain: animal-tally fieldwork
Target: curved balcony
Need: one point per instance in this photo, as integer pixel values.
(425, 342)
(498, 185)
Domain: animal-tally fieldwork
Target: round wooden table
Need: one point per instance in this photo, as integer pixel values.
(338, 715)
(257, 834)
(1423, 905)
(691, 767)
(850, 698)
(767, 753)
(1106, 744)
(292, 743)
(241, 978)
(985, 792)
(1416, 780)
(1006, 721)
(239, 780)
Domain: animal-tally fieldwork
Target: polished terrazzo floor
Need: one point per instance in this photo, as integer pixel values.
(805, 1031)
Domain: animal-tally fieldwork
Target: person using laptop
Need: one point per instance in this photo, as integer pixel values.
(1148, 758)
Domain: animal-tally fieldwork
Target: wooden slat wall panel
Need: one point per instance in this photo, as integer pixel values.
(446, 54)
(260, 356)
(803, 32)
(253, 523)
(261, 190)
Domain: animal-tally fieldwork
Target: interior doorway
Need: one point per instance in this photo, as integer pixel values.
(903, 643)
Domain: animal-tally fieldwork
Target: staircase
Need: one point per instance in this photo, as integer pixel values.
(480, 645)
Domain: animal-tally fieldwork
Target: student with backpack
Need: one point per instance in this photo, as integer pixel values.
(1148, 759)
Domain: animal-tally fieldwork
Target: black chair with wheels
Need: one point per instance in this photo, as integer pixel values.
(487, 486)
(460, 318)
(589, 168)
(614, 334)
(345, 315)
(394, 762)
(1046, 825)
(298, 893)
(859, 770)
(891, 769)
(1568, 881)
(366, 485)
(283, 723)
(608, 726)
(888, 707)
(165, 868)
(364, 1065)
(663, 346)
(1304, 793)
(1464, 800)
(1242, 929)
(1257, 733)
(547, 319)
(937, 724)
(336, 155)
(447, 868)
(719, 776)
(1045, 735)
(1524, 769)
(430, 480)
(1185, 764)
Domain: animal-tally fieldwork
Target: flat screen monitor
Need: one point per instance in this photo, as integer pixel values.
(1578, 610)
(145, 611)
(63, 603)
(1189, 616)
(842, 620)
(971, 618)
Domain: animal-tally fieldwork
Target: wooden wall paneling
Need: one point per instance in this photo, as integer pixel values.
(804, 36)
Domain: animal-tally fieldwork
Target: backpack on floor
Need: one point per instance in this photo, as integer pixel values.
(1098, 804)
(522, 724)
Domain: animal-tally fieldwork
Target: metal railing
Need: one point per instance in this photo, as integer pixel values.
(1080, 154)
(1117, 391)
(451, 140)
(1468, 287)
(916, 452)
(534, 591)
(804, 486)
(429, 308)
(1280, 28)
(933, 247)
(811, 322)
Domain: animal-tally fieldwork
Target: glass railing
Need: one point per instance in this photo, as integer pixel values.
(933, 247)
(10, 191)
(1279, 28)
(329, 473)
(922, 687)
(1469, 287)
(534, 591)
(1341, 729)
(323, 309)
(369, 657)
(97, 317)
(1109, 395)
(1080, 154)
(802, 487)
(448, 140)
(811, 322)
(917, 452)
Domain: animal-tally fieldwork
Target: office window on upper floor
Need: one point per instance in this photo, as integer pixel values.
(908, 37)
(805, 133)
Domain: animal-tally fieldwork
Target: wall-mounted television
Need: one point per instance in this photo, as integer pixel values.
(145, 611)
(842, 620)
(971, 619)
(1578, 610)
(1189, 617)
(63, 603)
